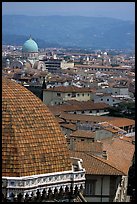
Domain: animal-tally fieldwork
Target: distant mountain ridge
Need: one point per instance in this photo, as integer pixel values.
(79, 31)
(18, 40)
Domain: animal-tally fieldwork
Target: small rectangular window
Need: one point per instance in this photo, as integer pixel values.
(90, 187)
(58, 94)
(73, 94)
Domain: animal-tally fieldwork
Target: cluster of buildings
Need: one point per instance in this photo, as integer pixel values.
(64, 146)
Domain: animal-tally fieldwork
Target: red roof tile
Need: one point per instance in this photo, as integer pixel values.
(121, 122)
(78, 106)
(67, 89)
(32, 141)
(84, 118)
(94, 165)
(69, 126)
(120, 153)
(83, 134)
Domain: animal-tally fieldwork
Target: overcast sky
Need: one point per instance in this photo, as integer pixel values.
(121, 10)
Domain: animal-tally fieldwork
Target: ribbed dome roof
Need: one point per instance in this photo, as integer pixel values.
(30, 46)
(32, 142)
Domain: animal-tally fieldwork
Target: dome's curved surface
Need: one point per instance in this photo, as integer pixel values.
(30, 46)
(32, 142)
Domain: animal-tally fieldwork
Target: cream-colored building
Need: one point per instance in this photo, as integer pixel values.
(58, 95)
(66, 64)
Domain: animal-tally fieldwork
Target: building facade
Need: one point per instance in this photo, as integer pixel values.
(58, 95)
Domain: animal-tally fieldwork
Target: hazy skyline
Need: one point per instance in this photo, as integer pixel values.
(120, 10)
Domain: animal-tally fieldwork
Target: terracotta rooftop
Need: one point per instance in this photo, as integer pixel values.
(111, 128)
(94, 165)
(128, 138)
(120, 153)
(119, 156)
(67, 89)
(84, 118)
(77, 106)
(83, 134)
(60, 120)
(114, 121)
(69, 126)
(121, 122)
(32, 141)
(56, 110)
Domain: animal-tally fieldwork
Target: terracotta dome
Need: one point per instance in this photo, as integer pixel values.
(32, 141)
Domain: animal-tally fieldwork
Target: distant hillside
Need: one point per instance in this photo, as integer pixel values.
(13, 39)
(93, 32)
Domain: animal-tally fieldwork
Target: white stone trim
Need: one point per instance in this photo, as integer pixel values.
(33, 183)
(37, 175)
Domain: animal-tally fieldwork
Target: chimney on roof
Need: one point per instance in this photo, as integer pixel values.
(104, 154)
(72, 144)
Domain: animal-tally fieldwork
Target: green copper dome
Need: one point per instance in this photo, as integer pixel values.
(30, 46)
